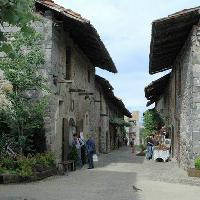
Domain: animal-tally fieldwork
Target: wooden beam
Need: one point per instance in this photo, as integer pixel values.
(76, 90)
(86, 93)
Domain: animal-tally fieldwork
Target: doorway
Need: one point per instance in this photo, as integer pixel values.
(68, 129)
(65, 139)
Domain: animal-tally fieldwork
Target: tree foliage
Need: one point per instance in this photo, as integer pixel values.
(152, 122)
(119, 122)
(17, 13)
(21, 68)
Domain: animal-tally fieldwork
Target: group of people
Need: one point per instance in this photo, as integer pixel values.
(84, 148)
(156, 139)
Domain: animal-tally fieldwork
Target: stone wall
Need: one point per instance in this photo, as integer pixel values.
(179, 103)
(76, 107)
(102, 120)
(116, 134)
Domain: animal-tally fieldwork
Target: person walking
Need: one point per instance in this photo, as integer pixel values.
(132, 145)
(150, 145)
(90, 147)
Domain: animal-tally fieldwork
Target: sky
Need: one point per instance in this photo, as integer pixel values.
(125, 28)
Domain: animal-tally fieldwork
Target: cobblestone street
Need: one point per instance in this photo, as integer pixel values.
(118, 176)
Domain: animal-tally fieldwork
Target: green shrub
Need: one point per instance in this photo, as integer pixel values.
(197, 163)
(2, 170)
(25, 166)
(73, 154)
(46, 160)
(50, 158)
(8, 163)
(41, 160)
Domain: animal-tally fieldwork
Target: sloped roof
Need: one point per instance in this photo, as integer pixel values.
(156, 88)
(168, 37)
(109, 94)
(82, 32)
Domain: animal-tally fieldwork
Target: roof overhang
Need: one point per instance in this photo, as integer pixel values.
(109, 95)
(82, 32)
(168, 37)
(155, 89)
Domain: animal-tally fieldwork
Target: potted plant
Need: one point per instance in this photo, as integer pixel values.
(74, 154)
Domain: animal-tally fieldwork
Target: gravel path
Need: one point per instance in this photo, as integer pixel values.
(117, 176)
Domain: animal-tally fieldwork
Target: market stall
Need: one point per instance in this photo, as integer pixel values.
(162, 152)
(162, 149)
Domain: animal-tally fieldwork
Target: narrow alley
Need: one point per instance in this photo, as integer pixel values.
(117, 176)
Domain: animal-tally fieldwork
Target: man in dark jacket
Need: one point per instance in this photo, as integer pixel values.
(90, 146)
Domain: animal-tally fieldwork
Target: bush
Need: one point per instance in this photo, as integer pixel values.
(8, 163)
(50, 159)
(197, 163)
(2, 170)
(73, 154)
(26, 166)
(45, 160)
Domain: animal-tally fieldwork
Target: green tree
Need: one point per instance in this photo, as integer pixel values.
(152, 122)
(21, 68)
(18, 13)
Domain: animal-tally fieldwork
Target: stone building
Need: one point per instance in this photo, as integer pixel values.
(117, 110)
(175, 45)
(72, 50)
(79, 101)
(108, 107)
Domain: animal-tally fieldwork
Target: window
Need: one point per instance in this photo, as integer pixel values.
(68, 63)
(72, 105)
(60, 107)
(86, 119)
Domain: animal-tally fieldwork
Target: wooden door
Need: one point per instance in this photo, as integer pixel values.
(65, 139)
